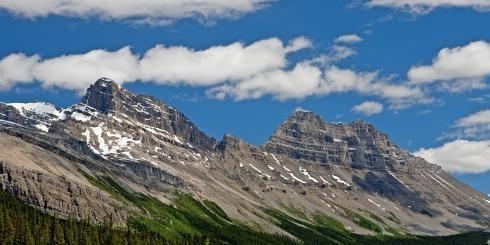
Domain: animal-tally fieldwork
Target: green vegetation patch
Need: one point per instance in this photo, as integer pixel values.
(189, 221)
(362, 221)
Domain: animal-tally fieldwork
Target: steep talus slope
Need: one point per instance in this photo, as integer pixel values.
(309, 168)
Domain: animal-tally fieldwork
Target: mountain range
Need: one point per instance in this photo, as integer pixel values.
(88, 161)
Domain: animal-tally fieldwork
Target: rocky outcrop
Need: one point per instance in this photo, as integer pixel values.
(59, 196)
(306, 136)
(37, 115)
(107, 97)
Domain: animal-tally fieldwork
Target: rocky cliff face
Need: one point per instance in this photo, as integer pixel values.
(108, 98)
(306, 136)
(149, 147)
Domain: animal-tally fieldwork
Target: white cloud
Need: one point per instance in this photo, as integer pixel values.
(368, 108)
(77, 72)
(302, 81)
(237, 71)
(157, 12)
(460, 156)
(474, 126)
(476, 119)
(466, 62)
(335, 54)
(305, 80)
(425, 6)
(456, 69)
(171, 65)
(16, 68)
(162, 65)
(348, 39)
(298, 43)
(400, 96)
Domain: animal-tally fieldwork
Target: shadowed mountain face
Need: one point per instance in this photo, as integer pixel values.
(61, 161)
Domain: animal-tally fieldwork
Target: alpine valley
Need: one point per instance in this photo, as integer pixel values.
(135, 168)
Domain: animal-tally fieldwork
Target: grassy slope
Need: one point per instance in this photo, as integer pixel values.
(190, 221)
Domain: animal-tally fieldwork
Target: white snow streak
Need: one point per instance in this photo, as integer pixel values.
(338, 179)
(297, 179)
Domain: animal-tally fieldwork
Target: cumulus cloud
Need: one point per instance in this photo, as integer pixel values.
(425, 6)
(77, 72)
(170, 65)
(466, 62)
(348, 39)
(475, 126)
(305, 80)
(476, 119)
(144, 11)
(456, 69)
(237, 71)
(368, 108)
(460, 156)
(16, 68)
(302, 81)
(298, 43)
(162, 65)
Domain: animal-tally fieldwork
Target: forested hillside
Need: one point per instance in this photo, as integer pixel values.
(22, 224)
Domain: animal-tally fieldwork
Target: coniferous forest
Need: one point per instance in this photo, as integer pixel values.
(22, 224)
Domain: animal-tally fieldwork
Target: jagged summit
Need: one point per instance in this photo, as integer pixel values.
(307, 136)
(118, 108)
(301, 116)
(105, 95)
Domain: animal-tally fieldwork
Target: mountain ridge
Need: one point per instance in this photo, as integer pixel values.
(309, 164)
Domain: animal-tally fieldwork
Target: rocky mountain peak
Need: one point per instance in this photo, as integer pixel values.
(308, 137)
(304, 117)
(108, 104)
(103, 95)
(230, 142)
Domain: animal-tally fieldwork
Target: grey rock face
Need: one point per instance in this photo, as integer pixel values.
(306, 136)
(107, 97)
(58, 196)
(38, 115)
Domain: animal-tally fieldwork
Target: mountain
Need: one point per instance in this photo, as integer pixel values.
(35, 114)
(116, 154)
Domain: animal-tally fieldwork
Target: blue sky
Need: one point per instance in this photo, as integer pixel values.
(443, 107)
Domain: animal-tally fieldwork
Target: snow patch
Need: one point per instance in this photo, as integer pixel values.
(377, 205)
(308, 176)
(256, 169)
(38, 108)
(42, 127)
(275, 159)
(444, 181)
(401, 182)
(297, 179)
(80, 117)
(339, 180)
(324, 181)
(432, 177)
